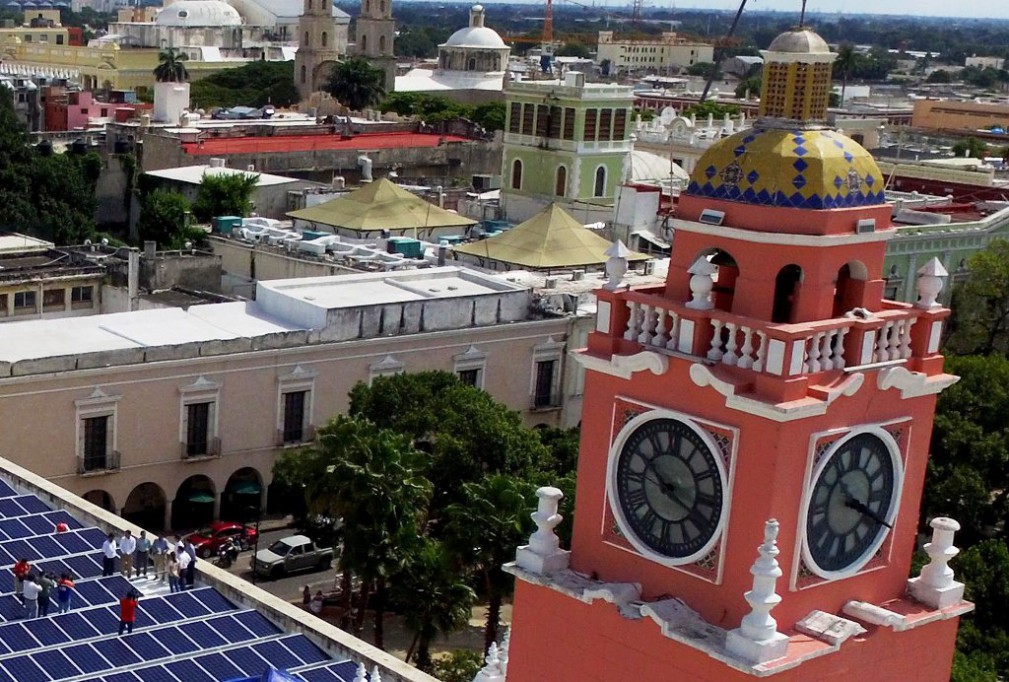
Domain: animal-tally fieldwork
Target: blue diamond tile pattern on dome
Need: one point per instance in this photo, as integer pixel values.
(808, 169)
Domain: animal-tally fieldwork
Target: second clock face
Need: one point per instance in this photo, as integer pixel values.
(668, 486)
(850, 506)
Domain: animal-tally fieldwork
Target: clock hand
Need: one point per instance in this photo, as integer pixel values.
(851, 502)
(666, 487)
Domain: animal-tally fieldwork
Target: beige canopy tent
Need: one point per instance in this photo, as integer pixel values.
(383, 205)
(550, 240)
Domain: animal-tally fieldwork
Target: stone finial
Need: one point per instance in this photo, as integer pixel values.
(491, 672)
(935, 586)
(502, 654)
(543, 554)
(757, 639)
(376, 675)
(701, 283)
(362, 673)
(616, 265)
(930, 284)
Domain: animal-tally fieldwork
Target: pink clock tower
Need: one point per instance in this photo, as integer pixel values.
(755, 435)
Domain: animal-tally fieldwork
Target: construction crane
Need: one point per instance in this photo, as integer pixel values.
(714, 68)
(547, 43)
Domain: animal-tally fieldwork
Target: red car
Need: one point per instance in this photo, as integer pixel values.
(208, 540)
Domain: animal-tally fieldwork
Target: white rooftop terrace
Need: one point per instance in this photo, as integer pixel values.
(193, 175)
(286, 313)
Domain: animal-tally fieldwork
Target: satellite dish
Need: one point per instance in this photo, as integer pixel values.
(667, 115)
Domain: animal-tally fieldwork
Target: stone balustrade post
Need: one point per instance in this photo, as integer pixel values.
(935, 586)
(757, 639)
(543, 554)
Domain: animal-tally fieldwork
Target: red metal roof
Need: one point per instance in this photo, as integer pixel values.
(308, 143)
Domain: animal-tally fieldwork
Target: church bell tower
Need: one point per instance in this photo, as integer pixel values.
(755, 435)
(321, 42)
(376, 31)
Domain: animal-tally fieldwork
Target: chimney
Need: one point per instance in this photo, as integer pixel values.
(133, 276)
(442, 252)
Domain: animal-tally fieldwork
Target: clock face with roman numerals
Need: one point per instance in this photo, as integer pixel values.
(668, 486)
(851, 504)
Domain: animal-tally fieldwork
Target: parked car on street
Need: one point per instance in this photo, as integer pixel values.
(290, 555)
(208, 540)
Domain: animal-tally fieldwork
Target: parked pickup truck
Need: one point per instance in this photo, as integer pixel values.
(290, 555)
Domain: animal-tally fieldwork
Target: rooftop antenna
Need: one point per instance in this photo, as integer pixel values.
(802, 14)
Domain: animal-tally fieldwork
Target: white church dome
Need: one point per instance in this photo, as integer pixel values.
(476, 34)
(193, 13)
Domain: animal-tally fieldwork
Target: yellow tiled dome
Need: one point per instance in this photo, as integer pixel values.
(814, 169)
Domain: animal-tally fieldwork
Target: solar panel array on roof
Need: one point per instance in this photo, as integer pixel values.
(192, 636)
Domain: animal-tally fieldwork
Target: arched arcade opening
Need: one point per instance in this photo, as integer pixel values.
(146, 506)
(193, 506)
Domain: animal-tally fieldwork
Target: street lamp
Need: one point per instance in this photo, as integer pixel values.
(258, 511)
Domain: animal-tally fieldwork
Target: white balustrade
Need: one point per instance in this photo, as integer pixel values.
(729, 357)
(633, 321)
(893, 340)
(758, 363)
(651, 325)
(825, 351)
(715, 353)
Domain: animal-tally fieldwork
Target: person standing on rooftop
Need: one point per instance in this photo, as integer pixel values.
(128, 611)
(109, 550)
(64, 593)
(160, 551)
(21, 570)
(127, 546)
(31, 596)
(143, 549)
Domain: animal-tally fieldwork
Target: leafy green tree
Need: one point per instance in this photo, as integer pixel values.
(970, 147)
(751, 83)
(171, 66)
(465, 431)
(434, 597)
(983, 639)
(716, 109)
(225, 194)
(255, 84)
(573, 49)
(980, 322)
(163, 218)
(356, 84)
(483, 531)
(845, 62)
(939, 76)
(44, 194)
(490, 115)
(461, 665)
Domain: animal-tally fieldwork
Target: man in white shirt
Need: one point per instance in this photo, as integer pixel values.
(31, 591)
(109, 551)
(127, 546)
(184, 561)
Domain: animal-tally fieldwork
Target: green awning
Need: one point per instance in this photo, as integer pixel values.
(201, 498)
(247, 489)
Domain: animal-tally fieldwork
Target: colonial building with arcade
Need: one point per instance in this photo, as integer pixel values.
(755, 435)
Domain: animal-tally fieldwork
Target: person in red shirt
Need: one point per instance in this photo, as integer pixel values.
(21, 570)
(128, 611)
(62, 527)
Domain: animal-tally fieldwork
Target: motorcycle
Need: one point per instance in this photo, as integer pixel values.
(227, 553)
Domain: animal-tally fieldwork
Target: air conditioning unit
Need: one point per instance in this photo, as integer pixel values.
(712, 217)
(866, 225)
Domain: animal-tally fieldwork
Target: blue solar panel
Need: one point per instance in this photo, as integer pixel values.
(13, 529)
(21, 549)
(9, 507)
(118, 586)
(24, 669)
(218, 666)
(121, 677)
(146, 646)
(190, 672)
(10, 607)
(17, 638)
(40, 524)
(105, 620)
(230, 629)
(303, 648)
(86, 658)
(325, 675)
(56, 663)
(46, 631)
(201, 633)
(83, 566)
(116, 652)
(155, 673)
(248, 660)
(187, 605)
(93, 536)
(177, 642)
(46, 546)
(160, 612)
(256, 622)
(72, 543)
(33, 505)
(213, 600)
(60, 516)
(276, 654)
(6, 490)
(93, 593)
(6, 581)
(55, 566)
(75, 625)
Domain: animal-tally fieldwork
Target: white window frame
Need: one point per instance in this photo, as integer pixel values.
(386, 367)
(99, 404)
(297, 380)
(202, 390)
(472, 358)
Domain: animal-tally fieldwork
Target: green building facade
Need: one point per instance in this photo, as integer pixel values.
(566, 141)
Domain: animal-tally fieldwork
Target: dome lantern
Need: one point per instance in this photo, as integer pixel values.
(795, 89)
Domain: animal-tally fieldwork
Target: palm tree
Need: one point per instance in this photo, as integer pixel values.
(844, 63)
(356, 84)
(483, 531)
(434, 597)
(171, 67)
